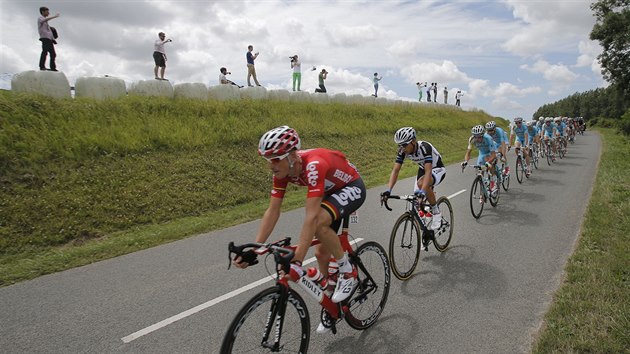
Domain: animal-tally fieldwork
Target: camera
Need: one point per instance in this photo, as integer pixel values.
(293, 58)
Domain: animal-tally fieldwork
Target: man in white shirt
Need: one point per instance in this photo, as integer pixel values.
(159, 55)
(223, 80)
(47, 39)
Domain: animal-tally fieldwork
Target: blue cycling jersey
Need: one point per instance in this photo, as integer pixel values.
(531, 133)
(560, 129)
(520, 131)
(548, 128)
(485, 146)
(499, 136)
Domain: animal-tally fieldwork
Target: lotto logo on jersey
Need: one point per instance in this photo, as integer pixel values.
(342, 176)
(351, 193)
(312, 174)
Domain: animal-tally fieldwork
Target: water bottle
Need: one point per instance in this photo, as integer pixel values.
(317, 277)
(333, 272)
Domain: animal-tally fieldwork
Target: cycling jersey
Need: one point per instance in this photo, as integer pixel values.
(560, 128)
(485, 146)
(548, 129)
(425, 153)
(520, 132)
(499, 136)
(323, 172)
(531, 133)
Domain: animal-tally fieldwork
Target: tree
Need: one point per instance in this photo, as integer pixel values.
(612, 30)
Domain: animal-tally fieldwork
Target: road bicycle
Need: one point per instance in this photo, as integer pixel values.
(504, 176)
(561, 147)
(534, 155)
(480, 191)
(277, 318)
(521, 169)
(412, 228)
(549, 150)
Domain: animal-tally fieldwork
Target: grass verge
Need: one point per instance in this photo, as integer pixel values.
(591, 311)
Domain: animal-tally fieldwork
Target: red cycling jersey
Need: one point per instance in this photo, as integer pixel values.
(323, 172)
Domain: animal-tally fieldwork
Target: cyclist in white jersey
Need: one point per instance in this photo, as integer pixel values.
(431, 171)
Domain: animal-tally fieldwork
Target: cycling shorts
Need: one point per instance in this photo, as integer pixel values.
(521, 140)
(548, 135)
(482, 158)
(438, 174)
(344, 201)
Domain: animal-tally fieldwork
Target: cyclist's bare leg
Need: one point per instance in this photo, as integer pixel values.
(329, 239)
(430, 194)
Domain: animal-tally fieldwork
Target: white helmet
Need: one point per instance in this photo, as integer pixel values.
(518, 119)
(404, 135)
(529, 123)
(491, 125)
(278, 141)
(548, 119)
(477, 130)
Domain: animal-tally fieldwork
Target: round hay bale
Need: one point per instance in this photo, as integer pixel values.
(302, 96)
(224, 92)
(158, 88)
(280, 95)
(254, 93)
(100, 87)
(47, 83)
(339, 97)
(195, 90)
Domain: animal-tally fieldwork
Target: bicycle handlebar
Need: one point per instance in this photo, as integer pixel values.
(408, 197)
(282, 254)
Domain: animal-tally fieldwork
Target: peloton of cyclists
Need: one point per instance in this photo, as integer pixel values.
(431, 170)
(520, 137)
(335, 190)
(548, 134)
(487, 153)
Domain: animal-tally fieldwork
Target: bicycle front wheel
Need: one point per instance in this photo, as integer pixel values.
(442, 236)
(477, 197)
(404, 246)
(256, 327)
(374, 277)
(520, 170)
(548, 154)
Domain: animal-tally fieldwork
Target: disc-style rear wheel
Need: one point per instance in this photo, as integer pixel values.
(404, 246)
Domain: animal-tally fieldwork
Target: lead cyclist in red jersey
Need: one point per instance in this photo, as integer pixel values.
(335, 190)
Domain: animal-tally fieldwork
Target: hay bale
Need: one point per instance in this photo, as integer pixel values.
(195, 90)
(280, 95)
(47, 83)
(339, 97)
(381, 101)
(302, 96)
(320, 98)
(159, 88)
(254, 93)
(100, 87)
(224, 92)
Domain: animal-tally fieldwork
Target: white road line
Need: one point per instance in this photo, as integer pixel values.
(205, 305)
(456, 194)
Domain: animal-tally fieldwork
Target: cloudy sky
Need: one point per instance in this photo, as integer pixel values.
(509, 57)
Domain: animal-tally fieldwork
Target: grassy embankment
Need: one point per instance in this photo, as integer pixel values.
(82, 180)
(591, 311)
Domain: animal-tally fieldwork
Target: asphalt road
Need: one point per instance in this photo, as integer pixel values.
(488, 293)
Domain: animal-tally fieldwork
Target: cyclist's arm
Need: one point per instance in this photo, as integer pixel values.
(394, 176)
(467, 156)
(313, 206)
(269, 220)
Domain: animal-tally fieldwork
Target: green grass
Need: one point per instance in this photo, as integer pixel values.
(84, 180)
(591, 311)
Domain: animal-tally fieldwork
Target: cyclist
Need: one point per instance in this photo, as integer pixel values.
(533, 134)
(519, 130)
(431, 170)
(561, 128)
(500, 138)
(335, 189)
(487, 152)
(548, 133)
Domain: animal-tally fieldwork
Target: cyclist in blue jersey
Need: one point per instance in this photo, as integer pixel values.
(519, 130)
(548, 133)
(533, 133)
(487, 152)
(501, 139)
(431, 170)
(561, 128)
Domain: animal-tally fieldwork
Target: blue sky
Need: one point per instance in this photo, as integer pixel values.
(508, 57)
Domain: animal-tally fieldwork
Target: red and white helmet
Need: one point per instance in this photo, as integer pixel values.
(278, 141)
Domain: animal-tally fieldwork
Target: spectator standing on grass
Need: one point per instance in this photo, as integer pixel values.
(435, 92)
(251, 69)
(322, 76)
(445, 95)
(47, 38)
(420, 89)
(429, 92)
(296, 65)
(159, 55)
(223, 80)
(376, 79)
(458, 97)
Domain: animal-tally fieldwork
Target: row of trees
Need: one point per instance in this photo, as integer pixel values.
(612, 30)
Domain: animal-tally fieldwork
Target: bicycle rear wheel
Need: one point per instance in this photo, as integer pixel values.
(520, 171)
(263, 316)
(505, 182)
(494, 197)
(534, 158)
(404, 246)
(442, 236)
(548, 153)
(477, 197)
(374, 276)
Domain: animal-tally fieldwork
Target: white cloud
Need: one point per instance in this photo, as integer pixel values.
(556, 73)
(507, 89)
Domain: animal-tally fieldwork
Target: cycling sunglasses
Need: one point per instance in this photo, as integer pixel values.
(274, 158)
